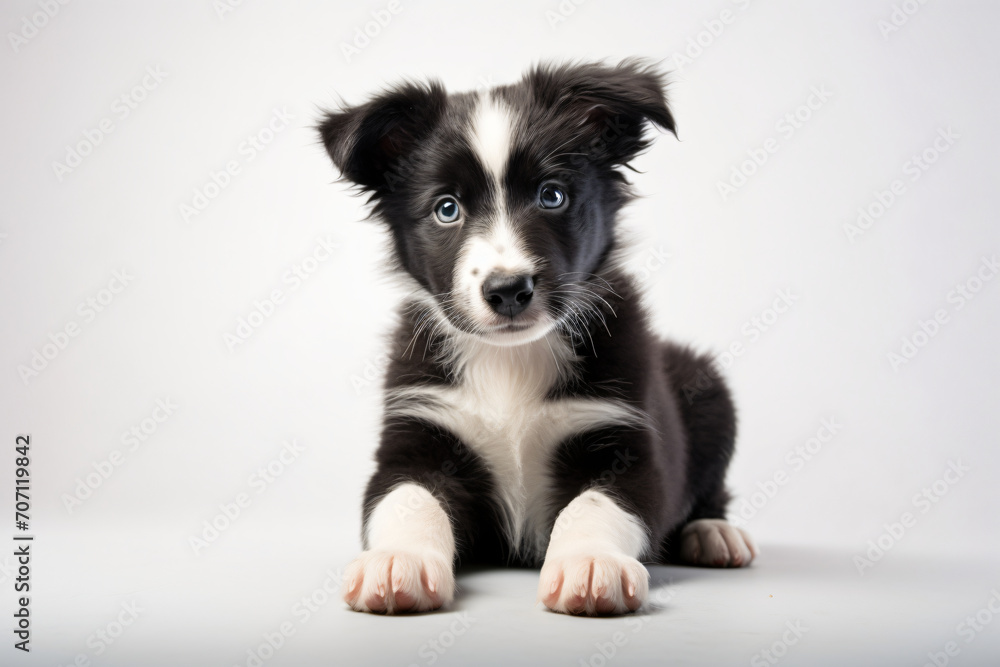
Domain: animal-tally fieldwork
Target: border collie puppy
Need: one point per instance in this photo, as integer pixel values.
(531, 416)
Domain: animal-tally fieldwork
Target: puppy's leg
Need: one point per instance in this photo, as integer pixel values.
(709, 417)
(591, 564)
(408, 563)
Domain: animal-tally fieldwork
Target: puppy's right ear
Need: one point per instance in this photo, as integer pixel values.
(371, 143)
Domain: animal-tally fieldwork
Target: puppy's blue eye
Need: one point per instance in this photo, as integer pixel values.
(447, 210)
(551, 196)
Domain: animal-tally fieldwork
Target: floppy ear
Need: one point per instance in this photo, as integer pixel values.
(370, 143)
(612, 104)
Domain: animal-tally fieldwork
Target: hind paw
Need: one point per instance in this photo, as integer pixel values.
(716, 543)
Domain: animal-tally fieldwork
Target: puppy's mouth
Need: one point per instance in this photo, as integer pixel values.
(512, 327)
(518, 331)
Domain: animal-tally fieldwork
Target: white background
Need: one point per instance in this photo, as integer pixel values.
(301, 375)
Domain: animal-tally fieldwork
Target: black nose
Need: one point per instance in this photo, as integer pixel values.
(508, 295)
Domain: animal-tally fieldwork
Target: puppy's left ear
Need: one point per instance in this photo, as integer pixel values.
(612, 104)
(370, 143)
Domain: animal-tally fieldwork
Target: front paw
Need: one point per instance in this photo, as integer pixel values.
(392, 581)
(716, 543)
(593, 585)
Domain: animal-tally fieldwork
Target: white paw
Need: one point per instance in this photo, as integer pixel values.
(391, 581)
(716, 543)
(593, 584)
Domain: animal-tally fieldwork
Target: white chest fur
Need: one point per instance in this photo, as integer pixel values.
(498, 408)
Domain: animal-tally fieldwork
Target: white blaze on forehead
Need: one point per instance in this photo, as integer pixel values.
(492, 132)
(497, 247)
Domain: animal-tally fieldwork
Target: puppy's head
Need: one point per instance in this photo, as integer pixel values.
(501, 204)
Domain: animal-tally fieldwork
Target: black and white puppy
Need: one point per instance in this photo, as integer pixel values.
(531, 416)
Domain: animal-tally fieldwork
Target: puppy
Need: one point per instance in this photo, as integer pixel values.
(530, 415)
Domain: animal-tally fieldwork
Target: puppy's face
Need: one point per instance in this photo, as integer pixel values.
(502, 204)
